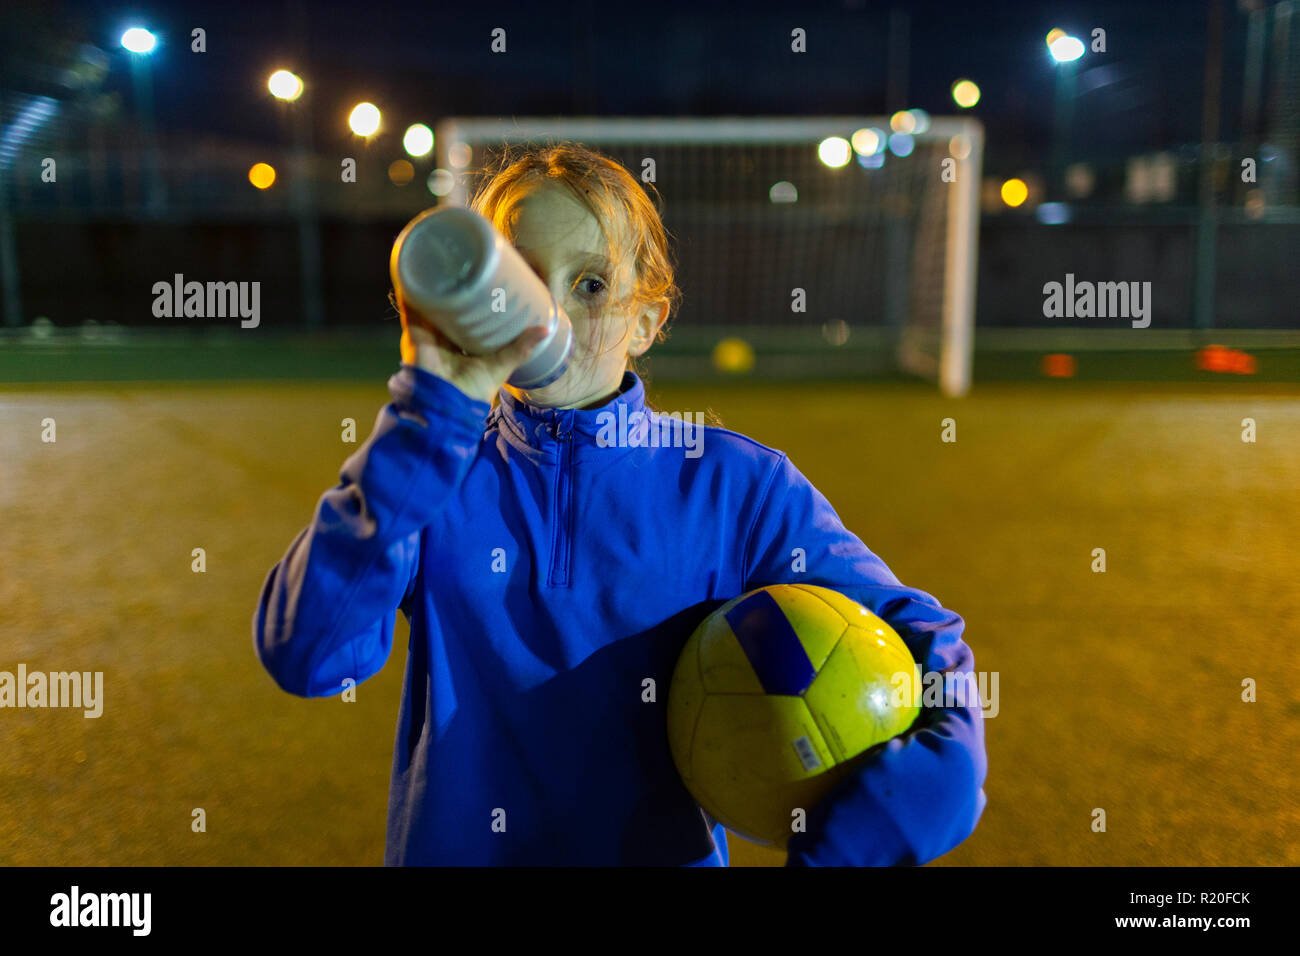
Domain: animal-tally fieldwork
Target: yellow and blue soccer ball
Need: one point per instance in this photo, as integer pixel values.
(774, 694)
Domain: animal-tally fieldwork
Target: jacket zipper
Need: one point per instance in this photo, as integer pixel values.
(562, 539)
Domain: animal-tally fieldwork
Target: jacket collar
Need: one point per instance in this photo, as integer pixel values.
(540, 427)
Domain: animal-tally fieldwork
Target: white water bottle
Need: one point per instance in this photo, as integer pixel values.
(453, 266)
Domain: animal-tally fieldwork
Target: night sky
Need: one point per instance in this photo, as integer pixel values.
(421, 61)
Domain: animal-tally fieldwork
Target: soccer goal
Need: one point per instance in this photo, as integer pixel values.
(801, 235)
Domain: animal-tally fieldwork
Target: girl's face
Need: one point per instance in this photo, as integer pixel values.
(562, 241)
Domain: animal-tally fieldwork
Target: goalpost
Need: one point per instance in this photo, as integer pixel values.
(783, 234)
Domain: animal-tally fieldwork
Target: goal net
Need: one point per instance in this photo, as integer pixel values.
(812, 238)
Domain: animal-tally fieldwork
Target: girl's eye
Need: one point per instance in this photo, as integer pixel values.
(595, 286)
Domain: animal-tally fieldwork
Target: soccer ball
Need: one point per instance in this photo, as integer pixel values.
(774, 694)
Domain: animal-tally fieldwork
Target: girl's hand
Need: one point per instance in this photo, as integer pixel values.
(478, 376)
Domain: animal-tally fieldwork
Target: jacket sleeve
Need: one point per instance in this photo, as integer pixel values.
(920, 794)
(328, 608)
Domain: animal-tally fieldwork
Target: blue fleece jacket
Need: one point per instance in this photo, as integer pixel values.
(546, 572)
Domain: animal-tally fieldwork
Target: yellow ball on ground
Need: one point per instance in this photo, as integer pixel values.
(733, 355)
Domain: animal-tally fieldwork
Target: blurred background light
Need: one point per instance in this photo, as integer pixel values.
(1066, 49)
(965, 93)
(284, 85)
(1052, 213)
(401, 172)
(418, 140)
(139, 40)
(364, 119)
(460, 155)
(902, 122)
(868, 140)
(783, 192)
(836, 331)
(440, 182)
(1080, 180)
(834, 151)
(1014, 192)
(901, 144)
(261, 175)
(1254, 204)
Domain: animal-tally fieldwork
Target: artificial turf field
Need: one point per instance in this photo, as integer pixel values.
(1119, 691)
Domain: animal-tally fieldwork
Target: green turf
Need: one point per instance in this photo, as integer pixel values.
(1119, 691)
(117, 355)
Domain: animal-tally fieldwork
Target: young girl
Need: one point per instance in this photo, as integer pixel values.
(547, 572)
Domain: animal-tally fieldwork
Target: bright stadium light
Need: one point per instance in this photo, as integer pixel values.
(139, 40)
(965, 93)
(834, 151)
(1066, 49)
(418, 140)
(364, 119)
(284, 85)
